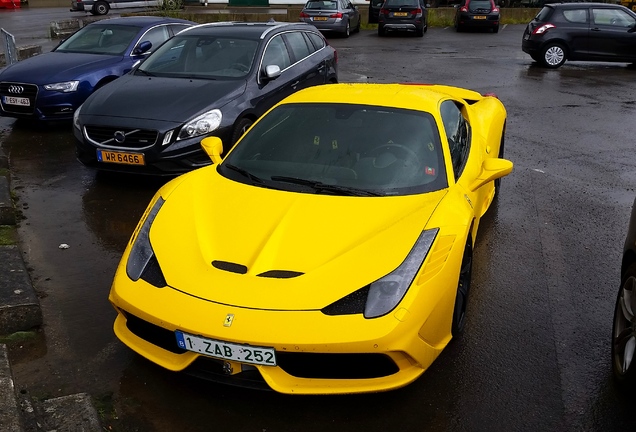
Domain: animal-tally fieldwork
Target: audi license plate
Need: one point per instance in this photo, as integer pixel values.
(400, 14)
(10, 100)
(120, 157)
(226, 350)
(479, 17)
(320, 18)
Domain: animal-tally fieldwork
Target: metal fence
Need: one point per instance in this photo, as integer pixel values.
(8, 46)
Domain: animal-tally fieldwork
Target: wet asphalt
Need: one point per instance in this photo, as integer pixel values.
(536, 352)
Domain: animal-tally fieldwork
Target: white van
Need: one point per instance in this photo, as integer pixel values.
(101, 7)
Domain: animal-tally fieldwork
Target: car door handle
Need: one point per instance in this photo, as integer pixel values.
(596, 29)
(295, 84)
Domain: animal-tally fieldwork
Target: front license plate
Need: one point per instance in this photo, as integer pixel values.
(479, 17)
(10, 100)
(120, 157)
(320, 18)
(400, 14)
(226, 350)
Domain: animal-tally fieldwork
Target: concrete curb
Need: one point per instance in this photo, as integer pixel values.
(9, 412)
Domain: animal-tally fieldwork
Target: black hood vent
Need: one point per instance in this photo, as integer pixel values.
(230, 267)
(280, 274)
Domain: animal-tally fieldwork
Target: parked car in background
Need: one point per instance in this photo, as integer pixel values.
(374, 10)
(624, 328)
(213, 79)
(101, 7)
(581, 31)
(332, 16)
(403, 15)
(51, 86)
(356, 274)
(477, 14)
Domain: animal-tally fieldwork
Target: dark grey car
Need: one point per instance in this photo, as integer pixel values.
(336, 16)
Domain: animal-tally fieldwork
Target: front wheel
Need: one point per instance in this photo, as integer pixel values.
(500, 156)
(100, 8)
(624, 332)
(239, 129)
(553, 55)
(463, 289)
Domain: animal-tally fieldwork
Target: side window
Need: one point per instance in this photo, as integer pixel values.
(156, 36)
(458, 134)
(276, 53)
(298, 45)
(309, 43)
(176, 28)
(578, 16)
(612, 17)
(317, 40)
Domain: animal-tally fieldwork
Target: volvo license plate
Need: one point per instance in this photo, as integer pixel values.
(120, 157)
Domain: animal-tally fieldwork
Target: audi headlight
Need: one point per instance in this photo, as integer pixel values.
(385, 293)
(201, 125)
(64, 87)
(141, 252)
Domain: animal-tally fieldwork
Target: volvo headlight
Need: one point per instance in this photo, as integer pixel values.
(64, 87)
(141, 252)
(385, 293)
(76, 122)
(201, 125)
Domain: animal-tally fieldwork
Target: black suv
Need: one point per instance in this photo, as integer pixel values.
(403, 15)
(211, 79)
(581, 31)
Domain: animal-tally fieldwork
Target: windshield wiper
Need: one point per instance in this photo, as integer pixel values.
(325, 187)
(243, 172)
(145, 72)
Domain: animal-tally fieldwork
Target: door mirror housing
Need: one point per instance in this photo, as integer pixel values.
(491, 169)
(213, 147)
(142, 48)
(271, 72)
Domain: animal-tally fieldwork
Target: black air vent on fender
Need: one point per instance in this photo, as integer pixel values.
(230, 267)
(280, 274)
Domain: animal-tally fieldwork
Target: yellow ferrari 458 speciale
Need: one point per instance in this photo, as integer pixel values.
(330, 251)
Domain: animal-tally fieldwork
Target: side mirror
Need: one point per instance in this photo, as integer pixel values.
(491, 169)
(213, 146)
(272, 72)
(142, 48)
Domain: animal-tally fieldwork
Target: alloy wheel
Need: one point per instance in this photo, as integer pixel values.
(624, 333)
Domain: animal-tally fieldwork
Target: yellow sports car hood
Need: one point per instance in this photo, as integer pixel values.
(253, 247)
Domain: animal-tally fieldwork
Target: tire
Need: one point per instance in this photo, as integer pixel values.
(381, 31)
(425, 28)
(463, 289)
(553, 55)
(623, 339)
(100, 8)
(239, 129)
(347, 31)
(357, 29)
(495, 29)
(419, 32)
(501, 155)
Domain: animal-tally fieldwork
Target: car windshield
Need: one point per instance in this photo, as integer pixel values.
(100, 39)
(342, 149)
(327, 4)
(201, 56)
(400, 3)
(479, 4)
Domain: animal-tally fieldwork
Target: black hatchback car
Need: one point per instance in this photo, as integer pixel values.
(581, 31)
(482, 14)
(403, 15)
(212, 79)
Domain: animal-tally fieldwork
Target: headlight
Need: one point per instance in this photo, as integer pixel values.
(387, 292)
(64, 87)
(76, 122)
(201, 125)
(141, 252)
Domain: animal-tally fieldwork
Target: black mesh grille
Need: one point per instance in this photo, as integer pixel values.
(212, 370)
(20, 90)
(336, 366)
(134, 138)
(154, 334)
